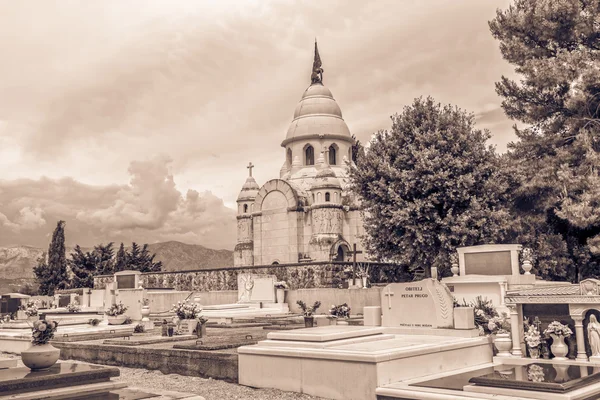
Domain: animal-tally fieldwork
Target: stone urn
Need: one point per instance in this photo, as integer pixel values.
(454, 269)
(40, 357)
(145, 313)
(280, 294)
(559, 347)
(116, 319)
(527, 267)
(503, 343)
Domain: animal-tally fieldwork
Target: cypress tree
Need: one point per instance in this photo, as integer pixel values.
(52, 274)
(121, 259)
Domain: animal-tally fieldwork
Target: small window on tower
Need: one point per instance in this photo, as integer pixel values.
(327, 196)
(310, 156)
(332, 156)
(245, 208)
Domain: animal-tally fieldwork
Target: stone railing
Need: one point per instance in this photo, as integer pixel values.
(297, 276)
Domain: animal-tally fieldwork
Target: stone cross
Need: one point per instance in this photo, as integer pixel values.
(389, 295)
(537, 322)
(250, 166)
(354, 252)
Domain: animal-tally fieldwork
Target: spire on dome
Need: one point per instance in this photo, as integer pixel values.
(317, 71)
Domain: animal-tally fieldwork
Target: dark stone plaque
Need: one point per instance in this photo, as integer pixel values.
(539, 377)
(64, 300)
(125, 281)
(22, 379)
(490, 263)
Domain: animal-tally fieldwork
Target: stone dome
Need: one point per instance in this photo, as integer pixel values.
(326, 178)
(316, 115)
(249, 190)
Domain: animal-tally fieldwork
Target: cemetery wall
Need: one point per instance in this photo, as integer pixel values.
(163, 300)
(297, 276)
(355, 298)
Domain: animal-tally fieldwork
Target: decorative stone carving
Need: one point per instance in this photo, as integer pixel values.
(593, 329)
(590, 287)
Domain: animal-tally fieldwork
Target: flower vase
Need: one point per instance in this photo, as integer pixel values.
(280, 295)
(527, 267)
(503, 343)
(534, 352)
(145, 313)
(309, 322)
(350, 282)
(364, 282)
(559, 347)
(201, 331)
(454, 269)
(40, 357)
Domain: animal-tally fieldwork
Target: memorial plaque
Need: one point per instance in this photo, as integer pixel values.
(256, 288)
(125, 281)
(488, 263)
(64, 300)
(423, 304)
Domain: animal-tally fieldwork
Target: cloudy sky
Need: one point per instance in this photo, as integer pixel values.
(134, 120)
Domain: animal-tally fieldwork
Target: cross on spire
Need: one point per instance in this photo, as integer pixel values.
(250, 166)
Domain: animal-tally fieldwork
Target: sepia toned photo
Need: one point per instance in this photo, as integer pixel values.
(300, 200)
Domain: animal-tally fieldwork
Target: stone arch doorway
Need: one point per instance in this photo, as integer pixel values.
(341, 252)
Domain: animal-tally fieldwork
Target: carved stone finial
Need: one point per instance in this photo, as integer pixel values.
(317, 71)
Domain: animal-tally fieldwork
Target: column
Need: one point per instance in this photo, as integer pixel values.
(515, 325)
(502, 292)
(581, 355)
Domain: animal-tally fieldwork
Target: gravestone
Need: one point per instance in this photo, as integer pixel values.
(127, 279)
(423, 304)
(256, 288)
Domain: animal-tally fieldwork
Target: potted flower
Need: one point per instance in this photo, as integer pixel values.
(73, 307)
(187, 313)
(363, 274)
(340, 312)
(116, 314)
(41, 355)
(308, 312)
(145, 309)
(533, 338)
(281, 286)
(31, 310)
(500, 328)
(558, 332)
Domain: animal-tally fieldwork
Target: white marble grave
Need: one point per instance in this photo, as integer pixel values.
(256, 288)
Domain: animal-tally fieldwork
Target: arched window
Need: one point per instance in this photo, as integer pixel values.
(310, 156)
(288, 157)
(318, 197)
(313, 197)
(245, 208)
(327, 196)
(335, 197)
(332, 156)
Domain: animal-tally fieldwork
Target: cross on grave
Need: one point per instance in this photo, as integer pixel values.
(389, 295)
(354, 252)
(537, 323)
(250, 166)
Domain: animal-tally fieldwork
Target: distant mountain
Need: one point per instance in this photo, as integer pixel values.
(17, 262)
(177, 256)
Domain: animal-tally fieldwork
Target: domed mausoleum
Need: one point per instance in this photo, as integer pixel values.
(308, 214)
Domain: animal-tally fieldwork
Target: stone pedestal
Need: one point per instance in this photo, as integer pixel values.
(464, 318)
(372, 316)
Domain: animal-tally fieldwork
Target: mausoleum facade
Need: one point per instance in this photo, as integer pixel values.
(308, 213)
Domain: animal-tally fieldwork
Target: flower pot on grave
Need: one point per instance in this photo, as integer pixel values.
(145, 313)
(309, 322)
(280, 295)
(116, 319)
(559, 348)
(350, 282)
(503, 343)
(201, 331)
(364, 282)
(40, 357)
(534, 352)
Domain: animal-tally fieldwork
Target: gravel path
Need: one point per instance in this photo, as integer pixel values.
(210, 389)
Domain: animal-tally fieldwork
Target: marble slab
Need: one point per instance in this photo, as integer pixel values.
(22, 379)
(325, 333)
(254, 288)
(149, 340)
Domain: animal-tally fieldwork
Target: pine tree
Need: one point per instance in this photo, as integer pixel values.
(121, 259)
(104, 259)
(429, 185)
(133, 259)
(51, 274)
(555, 47)
(83, 266)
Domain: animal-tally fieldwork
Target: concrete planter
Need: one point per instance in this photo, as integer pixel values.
(116, 320)
(464, 318)
(40, 357)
